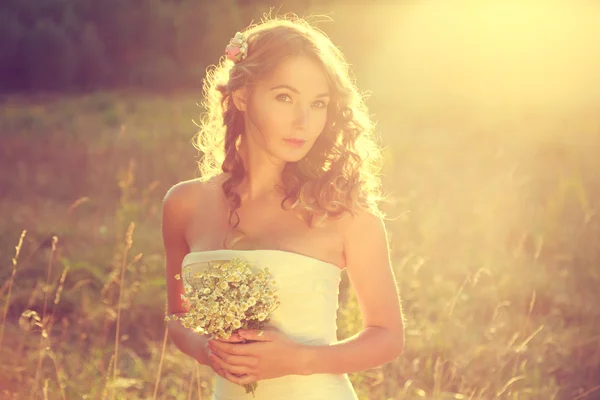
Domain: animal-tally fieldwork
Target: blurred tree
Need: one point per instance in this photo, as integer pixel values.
(155, 73)
(71, 22)
(93, 64)
(11, 32)
(24, 10)
(85, 44)
(49, 57)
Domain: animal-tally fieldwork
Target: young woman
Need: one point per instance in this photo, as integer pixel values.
(289, 181)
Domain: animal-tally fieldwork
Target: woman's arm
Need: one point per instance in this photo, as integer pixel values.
(188, 341)
(175, 216)
(371, 276)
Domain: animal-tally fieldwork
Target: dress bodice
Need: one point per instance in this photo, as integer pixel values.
(308, 291)
(307, 288)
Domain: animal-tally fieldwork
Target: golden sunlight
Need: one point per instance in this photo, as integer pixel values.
(500, 56)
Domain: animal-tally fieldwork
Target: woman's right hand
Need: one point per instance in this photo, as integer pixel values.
(206, 352)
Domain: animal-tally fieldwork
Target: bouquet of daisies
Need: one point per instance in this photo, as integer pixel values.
(225, 297)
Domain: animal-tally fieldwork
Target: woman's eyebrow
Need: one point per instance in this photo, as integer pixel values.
(293, 89)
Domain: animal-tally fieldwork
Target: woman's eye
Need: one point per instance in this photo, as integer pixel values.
(320, 104)
(284, 97)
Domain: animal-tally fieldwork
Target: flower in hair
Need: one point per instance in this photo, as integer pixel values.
(237, 49)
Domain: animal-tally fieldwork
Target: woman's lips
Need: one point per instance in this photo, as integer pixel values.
(295, 142)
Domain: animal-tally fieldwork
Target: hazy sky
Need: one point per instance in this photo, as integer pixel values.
(488, 55)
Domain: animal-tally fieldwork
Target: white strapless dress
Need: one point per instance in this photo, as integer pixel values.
(308, 291)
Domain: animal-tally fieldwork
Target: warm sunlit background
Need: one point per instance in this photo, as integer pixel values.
(489, 112)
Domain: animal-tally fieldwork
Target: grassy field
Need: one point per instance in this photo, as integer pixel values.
(494, 232)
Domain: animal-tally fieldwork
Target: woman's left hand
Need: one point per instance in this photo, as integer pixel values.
(272, 354)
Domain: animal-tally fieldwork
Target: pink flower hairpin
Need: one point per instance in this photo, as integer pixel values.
(237, 49)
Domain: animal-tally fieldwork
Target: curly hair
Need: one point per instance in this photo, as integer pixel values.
(340, 173)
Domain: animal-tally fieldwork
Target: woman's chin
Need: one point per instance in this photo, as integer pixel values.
(291, 156)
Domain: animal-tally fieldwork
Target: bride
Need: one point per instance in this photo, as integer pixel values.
(289, 181)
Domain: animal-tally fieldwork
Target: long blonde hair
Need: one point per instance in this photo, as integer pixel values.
(340, 172)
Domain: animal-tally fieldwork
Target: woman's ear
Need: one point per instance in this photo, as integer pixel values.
(239, 99)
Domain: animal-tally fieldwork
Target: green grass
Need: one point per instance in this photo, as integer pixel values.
(496, 261)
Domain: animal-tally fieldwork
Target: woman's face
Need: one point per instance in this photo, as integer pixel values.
(287, 111)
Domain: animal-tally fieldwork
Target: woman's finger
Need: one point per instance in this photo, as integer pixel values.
(232, 359)
(214, 364)
(235, 369)
(264, 335)
(240, 380)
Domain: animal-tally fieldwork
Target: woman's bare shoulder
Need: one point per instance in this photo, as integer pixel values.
(361, 219)
(185, 196)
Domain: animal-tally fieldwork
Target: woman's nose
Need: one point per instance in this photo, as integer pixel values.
(302, 116)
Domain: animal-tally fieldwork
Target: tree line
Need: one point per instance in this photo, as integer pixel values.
(82, 45)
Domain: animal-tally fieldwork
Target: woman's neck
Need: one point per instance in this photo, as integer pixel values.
(262, 174)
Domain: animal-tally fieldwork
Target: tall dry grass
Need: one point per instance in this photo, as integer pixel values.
(493, 232)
